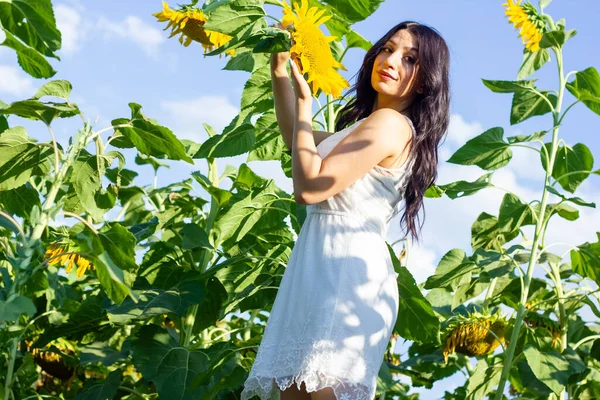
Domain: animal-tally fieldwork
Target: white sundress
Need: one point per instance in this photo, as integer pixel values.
(337, 302)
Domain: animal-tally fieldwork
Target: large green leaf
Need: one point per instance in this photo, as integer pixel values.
(87, 171)
(527, 104)
(568, 161)
(247, 61)
(586, 87)
(354, 10)
(33, 22)
(269, 142)
(148, 137)
(484, 379)
(232, 143)
(354, 39)
(154, 302)
(418, 322)
(20, 201)
(11, 310)
(549, 366)
(233, 16)
(39, 111)
(57, 88)
(556, 38)
(585, 260)
(163, 361)
(512, 213)
(453, 265)
(30, 60)
(486, 234)
(119, 243)
(21, 158)
(488, 150)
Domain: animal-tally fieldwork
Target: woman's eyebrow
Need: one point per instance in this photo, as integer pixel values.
(406, 47)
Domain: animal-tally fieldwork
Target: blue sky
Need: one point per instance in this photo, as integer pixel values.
(114, 52)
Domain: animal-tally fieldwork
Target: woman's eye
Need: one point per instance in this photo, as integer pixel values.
(386, 48)
(411, 60)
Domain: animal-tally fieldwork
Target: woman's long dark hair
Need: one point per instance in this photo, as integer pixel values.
(430, 112)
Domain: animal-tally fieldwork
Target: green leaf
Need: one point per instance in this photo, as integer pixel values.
(549, 366)
(453, 265)
(20, 201)
(30, 60)
(243, 41)
(354, 10)
(21, 158)
(509, 86)
(586, 88)
(526, 138)
(232, 143)
(585, 261)
(258, 87)
(39, 28)
(119, 243)
(152, 139)
(195, 237)
(11, 310)
(36, 110)
(556, 38)
(354, 39)
(86, 181)
(163, 361)
(576, 200)
(96, 389)
(486, 233)
(231, 17)
(247, 61)
(532, 61)
(273, 40)
(488, 151)
(512, 213)
(527, 104)
(485, 378)
(458, 189)
(418, 322)
(58, 88)
(154, 301)
(567, 161)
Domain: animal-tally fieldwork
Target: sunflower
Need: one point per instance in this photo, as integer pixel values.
(58, 254)
(312, 48)
(472, 335)
(526, 17)
(534, 320)
(189, 21)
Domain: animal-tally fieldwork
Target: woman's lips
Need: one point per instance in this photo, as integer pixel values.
(385, 76)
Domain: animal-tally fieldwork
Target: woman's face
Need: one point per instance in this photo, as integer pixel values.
(396, 67)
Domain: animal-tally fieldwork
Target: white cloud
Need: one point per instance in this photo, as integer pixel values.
(136, 30)
(459, 131)
(187, 116)
(15, 82)
(69, 22)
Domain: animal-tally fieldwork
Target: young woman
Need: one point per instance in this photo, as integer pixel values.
(337, 302)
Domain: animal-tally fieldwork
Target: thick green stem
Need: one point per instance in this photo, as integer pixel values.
(330, 114)
(11, 367)
(508, 356)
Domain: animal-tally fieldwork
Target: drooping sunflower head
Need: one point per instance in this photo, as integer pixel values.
(60, 253)
(311, 48)
(526, 17)
(189, 21)
(476, 334)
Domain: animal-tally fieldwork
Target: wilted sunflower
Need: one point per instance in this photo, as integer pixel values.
(526, 17)
(189, 21)
(55, 254)
(471, 334)
(312, 48)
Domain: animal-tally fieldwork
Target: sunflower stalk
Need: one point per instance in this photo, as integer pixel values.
(330, 114)
(539, 228)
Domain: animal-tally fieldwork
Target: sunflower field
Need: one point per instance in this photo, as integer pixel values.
(147, 304)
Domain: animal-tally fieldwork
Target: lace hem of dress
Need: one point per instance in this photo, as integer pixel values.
(264, 387)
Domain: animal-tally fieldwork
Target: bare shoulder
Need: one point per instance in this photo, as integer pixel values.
(389, 126)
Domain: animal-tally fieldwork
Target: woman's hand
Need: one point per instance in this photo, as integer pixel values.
(279, 60)
(301, 87)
